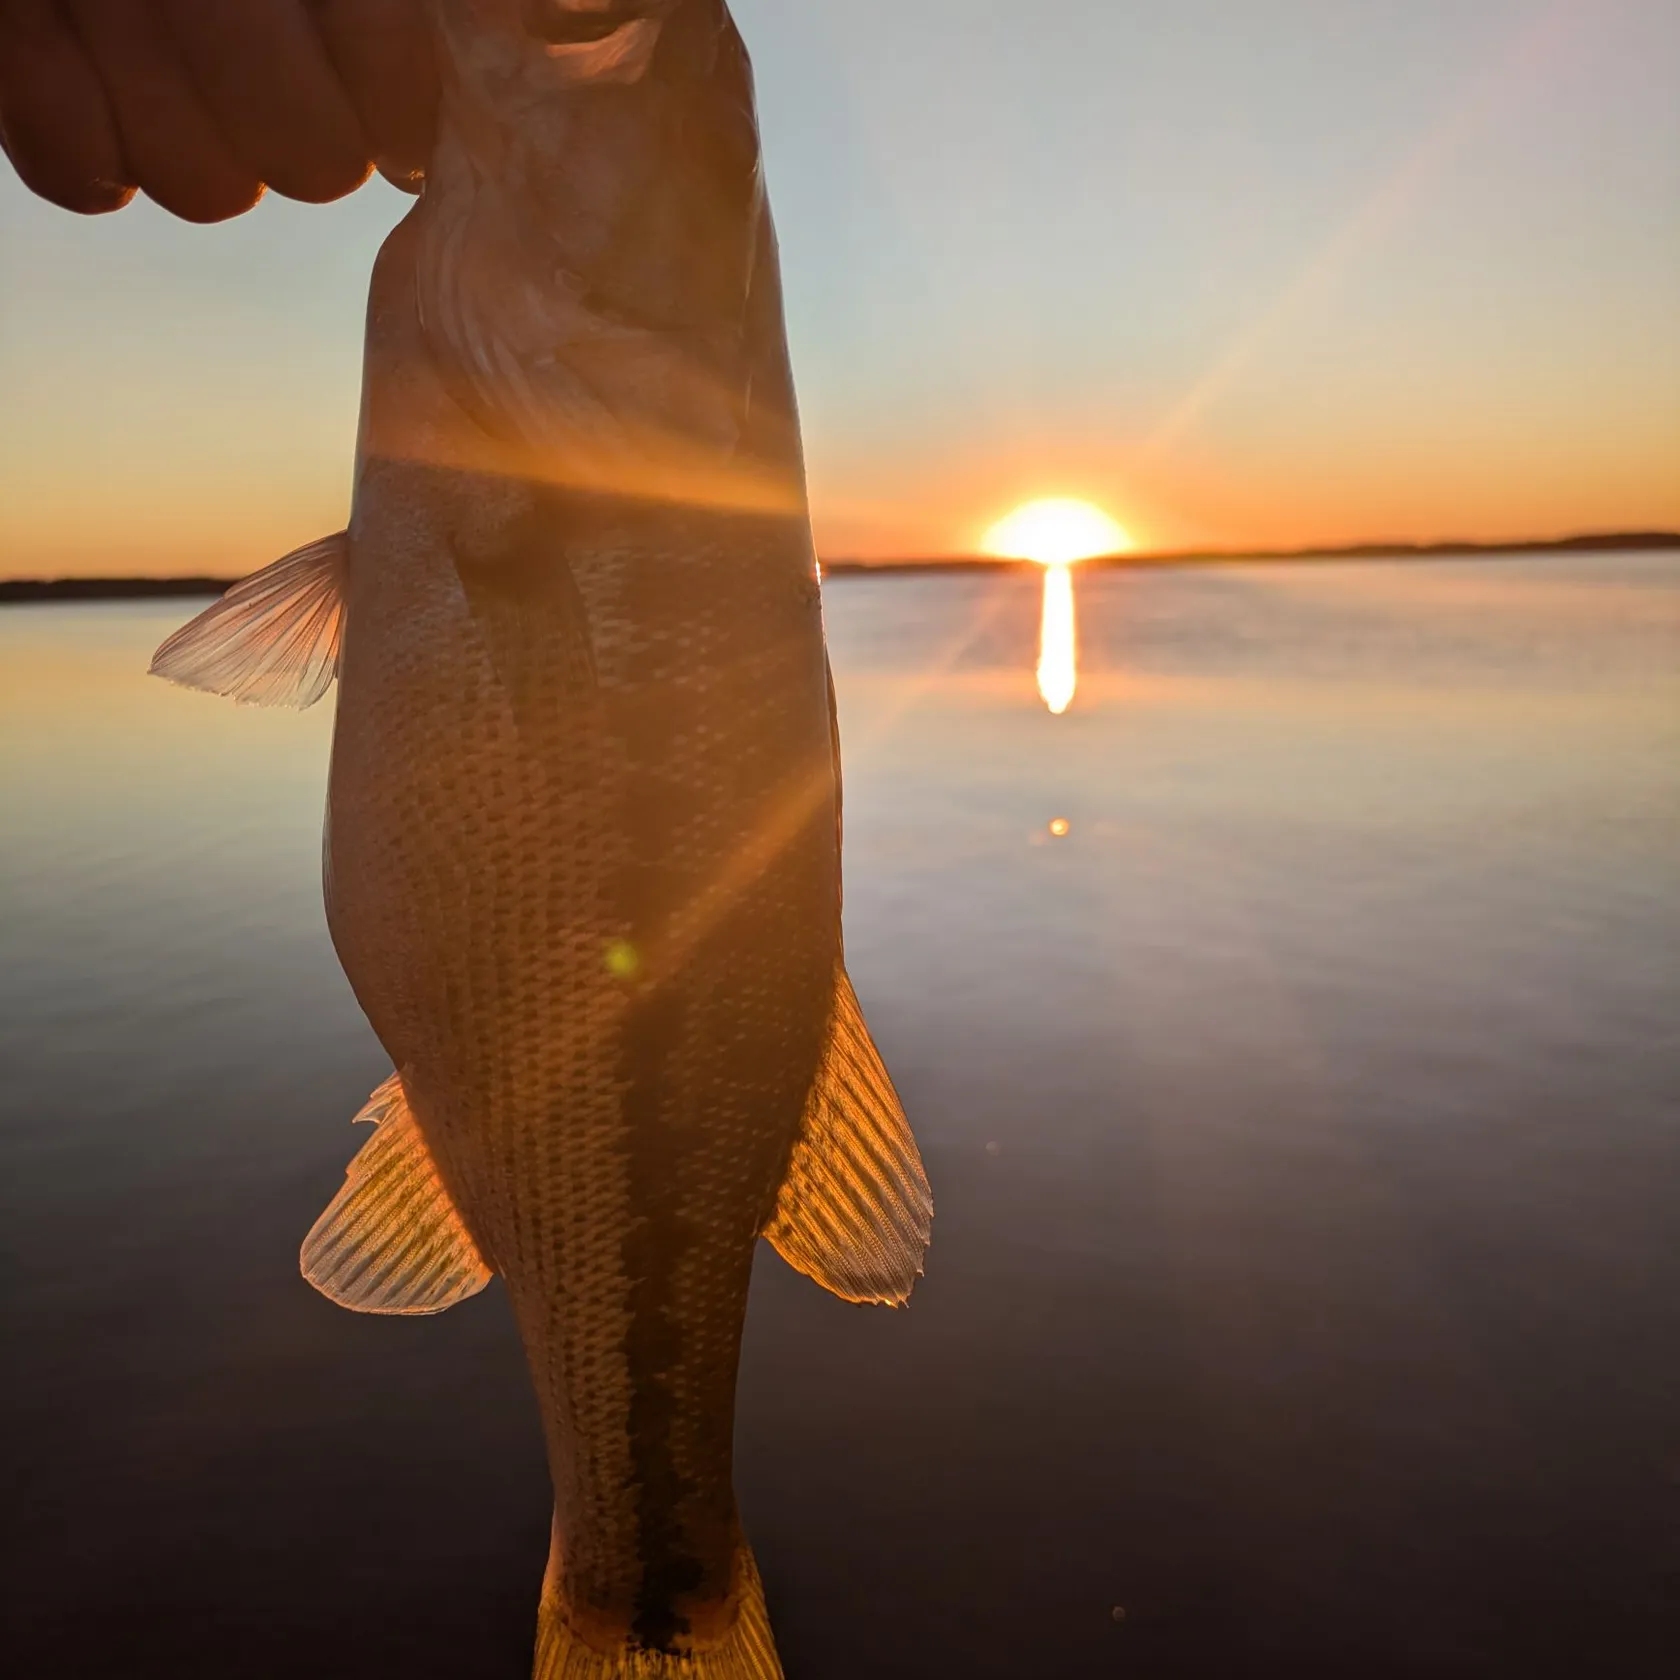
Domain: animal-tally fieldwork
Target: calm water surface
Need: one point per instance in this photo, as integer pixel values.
(1304, 1124)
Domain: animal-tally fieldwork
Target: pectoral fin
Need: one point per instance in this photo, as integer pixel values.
(272, 640)
(855, 1210)
(391, 1241)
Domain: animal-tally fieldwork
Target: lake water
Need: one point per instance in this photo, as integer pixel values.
(1304, 1124)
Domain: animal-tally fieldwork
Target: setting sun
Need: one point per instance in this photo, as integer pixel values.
(1055, 531)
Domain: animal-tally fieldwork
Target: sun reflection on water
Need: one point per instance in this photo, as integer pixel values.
(1056, 531)
(1058, 667)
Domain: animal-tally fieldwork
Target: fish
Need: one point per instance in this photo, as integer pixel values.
(581, 853)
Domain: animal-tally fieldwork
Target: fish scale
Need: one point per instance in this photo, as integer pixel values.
(582, 853)
(734, 1033)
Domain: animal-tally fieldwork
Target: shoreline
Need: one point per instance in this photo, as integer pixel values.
(19, 591)
(1605, 542)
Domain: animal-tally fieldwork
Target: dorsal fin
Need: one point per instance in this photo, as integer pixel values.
(272, 640)
(855, 1211)
(391, 1240)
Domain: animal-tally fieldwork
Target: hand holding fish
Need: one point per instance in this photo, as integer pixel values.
(583, 836)
(201, 104)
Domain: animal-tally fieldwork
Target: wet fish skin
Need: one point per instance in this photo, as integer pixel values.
(582, 851)
(614, 1141)
(594, 727)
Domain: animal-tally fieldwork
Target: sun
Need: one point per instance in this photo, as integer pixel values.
(1055, 531)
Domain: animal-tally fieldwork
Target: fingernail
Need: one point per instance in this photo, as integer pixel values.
(105, 195)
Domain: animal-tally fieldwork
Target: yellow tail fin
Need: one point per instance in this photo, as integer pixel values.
(746, 1652)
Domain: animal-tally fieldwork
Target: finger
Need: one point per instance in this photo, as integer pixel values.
(263, 73)
(54, 122)
(382, 50)
(174, 149)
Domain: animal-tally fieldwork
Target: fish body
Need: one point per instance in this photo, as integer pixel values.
(583, 845)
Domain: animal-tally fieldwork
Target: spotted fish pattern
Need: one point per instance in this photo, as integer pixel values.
(582, 857)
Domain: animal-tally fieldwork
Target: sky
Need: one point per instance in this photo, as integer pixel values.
(1277, 273)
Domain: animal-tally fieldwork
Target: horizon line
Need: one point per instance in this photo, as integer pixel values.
(140, 586)
(1400, 549)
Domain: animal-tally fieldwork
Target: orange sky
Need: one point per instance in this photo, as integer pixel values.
(1263, 285)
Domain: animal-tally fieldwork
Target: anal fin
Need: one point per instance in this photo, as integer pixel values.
(273, 639)
(391, 1240)
(855, 1212)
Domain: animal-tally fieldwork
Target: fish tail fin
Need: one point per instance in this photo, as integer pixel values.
(746, 1652)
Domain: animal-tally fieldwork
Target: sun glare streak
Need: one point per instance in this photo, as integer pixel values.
(1543, 43)
(1055, 531)
(1058, 673)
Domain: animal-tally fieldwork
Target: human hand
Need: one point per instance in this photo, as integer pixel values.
(200, 104)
